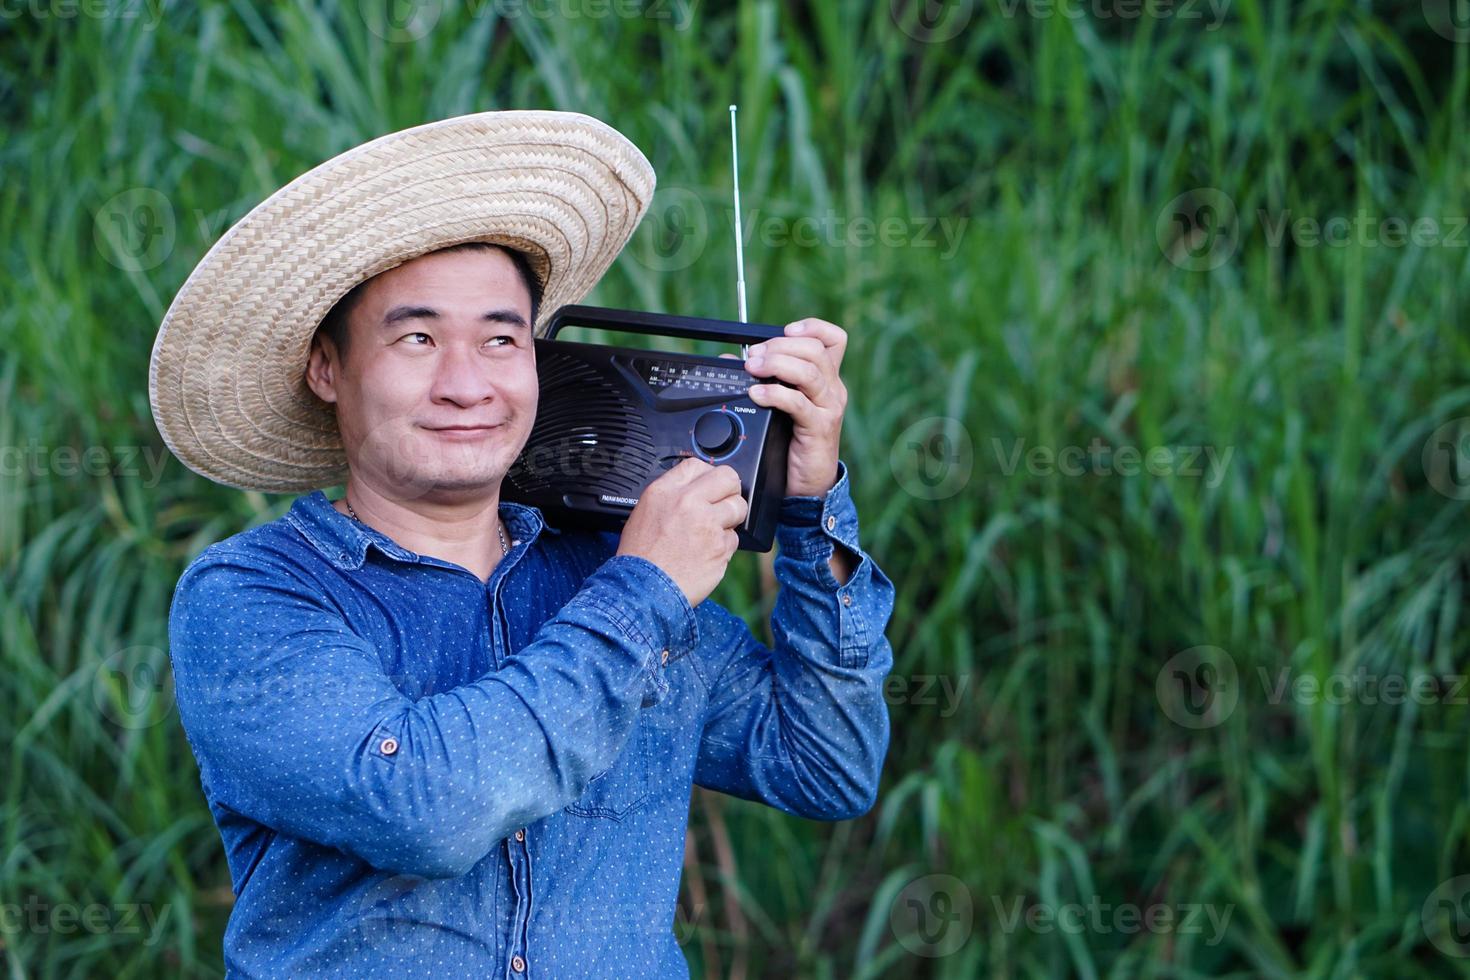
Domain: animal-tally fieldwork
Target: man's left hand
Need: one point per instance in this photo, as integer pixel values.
(808, 356)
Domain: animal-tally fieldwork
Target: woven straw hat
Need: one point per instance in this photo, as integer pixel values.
(227, 378)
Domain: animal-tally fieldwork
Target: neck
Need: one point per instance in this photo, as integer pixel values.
(465, 532)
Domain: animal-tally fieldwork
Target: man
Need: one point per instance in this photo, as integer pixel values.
(438, 736)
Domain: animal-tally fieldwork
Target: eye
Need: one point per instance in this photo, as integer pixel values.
(410, 336)
(505, 337)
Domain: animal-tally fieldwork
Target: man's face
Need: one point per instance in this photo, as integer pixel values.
(438, 393)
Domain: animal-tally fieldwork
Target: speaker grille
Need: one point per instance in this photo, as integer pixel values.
(588, 437)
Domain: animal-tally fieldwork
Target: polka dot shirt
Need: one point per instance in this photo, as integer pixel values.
(418, 773)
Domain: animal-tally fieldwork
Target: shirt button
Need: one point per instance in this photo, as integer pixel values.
(847, 598)
(517, 963)
(388, 746)
(665, 657)
(520, 835)
(831, 522)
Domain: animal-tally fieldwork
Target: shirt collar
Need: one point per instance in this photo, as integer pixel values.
(344, 541)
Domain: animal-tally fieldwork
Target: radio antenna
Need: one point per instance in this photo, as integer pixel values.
(739, 236)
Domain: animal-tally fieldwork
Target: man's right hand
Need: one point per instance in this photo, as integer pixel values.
(684, 523)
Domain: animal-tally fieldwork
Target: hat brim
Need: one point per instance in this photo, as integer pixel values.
(226, 380)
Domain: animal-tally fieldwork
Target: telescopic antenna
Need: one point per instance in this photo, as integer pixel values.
(739, 237)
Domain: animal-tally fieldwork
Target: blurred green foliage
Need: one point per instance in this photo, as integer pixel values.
(1100, 234)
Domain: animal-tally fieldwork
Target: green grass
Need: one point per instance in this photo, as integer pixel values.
(1056, 318)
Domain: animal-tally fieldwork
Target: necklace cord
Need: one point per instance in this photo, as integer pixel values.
(499, 526)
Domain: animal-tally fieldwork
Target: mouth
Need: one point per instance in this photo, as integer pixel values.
(461, 431)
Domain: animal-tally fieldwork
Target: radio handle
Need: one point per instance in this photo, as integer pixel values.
(659, 324)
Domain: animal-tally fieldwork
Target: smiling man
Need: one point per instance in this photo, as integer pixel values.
(439, 736)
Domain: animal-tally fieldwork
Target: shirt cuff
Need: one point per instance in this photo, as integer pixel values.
(650, 609)
(807, 526)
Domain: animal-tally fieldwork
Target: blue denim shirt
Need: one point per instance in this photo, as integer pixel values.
(418, 773)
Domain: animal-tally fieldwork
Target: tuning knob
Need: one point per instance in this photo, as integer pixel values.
(717, 433)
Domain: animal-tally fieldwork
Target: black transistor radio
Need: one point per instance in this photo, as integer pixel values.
(613, 419)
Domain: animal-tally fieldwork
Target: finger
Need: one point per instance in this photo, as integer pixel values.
(833, 337)
(733, 512)
(808, 347)
(716, 484)
(685, 472)
(814, 380)
(803, 411)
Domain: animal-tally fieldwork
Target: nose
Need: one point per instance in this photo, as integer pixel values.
(462, 377)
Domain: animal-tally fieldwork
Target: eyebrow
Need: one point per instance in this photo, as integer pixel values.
(400, 313)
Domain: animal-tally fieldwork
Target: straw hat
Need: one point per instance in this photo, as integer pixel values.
(227, 378)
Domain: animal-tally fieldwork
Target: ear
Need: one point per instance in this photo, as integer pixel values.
(321, 369)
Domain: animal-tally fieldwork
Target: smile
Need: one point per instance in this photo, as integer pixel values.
(463, 431)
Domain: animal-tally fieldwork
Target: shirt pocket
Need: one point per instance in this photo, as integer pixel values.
(629, 782)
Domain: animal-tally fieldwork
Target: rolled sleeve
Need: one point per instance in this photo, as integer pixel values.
(810, 527)
(296, 725)
(803, 725)
(664, 627)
